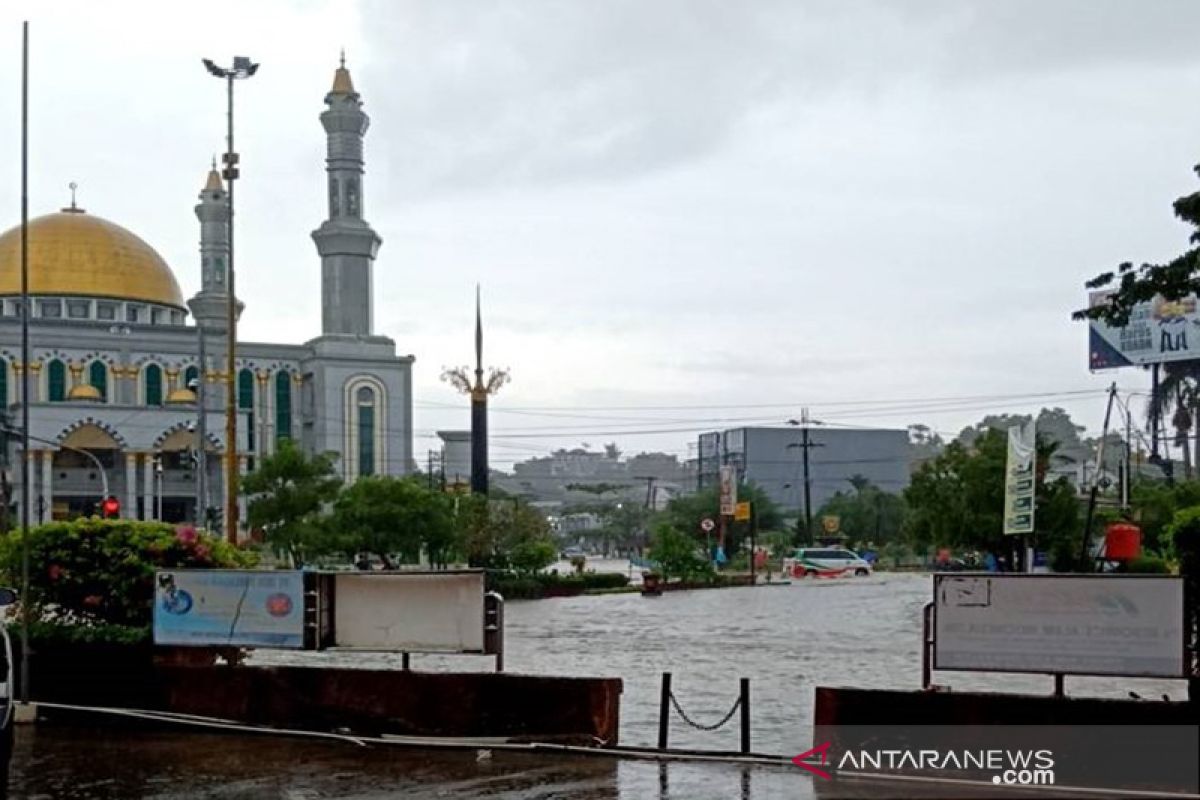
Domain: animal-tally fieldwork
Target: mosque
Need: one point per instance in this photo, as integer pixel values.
(117, 357)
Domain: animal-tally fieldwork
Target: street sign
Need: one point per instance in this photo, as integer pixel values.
(741, 512)
(707, 524)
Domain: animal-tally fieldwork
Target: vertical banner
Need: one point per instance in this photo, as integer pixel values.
(728, 491)
(1020, 479)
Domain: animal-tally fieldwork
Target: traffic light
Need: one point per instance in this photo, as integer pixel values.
(110, 507)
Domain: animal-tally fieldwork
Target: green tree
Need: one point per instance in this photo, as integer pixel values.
(1129, 285)
(625, 525)
(957, 499)
(866, 514)
(505, 534)
(685, 513)
(288, 494)
(678, 554)
(390, 517)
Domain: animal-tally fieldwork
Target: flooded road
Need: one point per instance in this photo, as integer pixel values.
(786, 640)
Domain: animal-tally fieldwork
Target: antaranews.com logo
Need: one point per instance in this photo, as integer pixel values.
(1008, 767)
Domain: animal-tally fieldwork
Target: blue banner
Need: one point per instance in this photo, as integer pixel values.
(229, 607)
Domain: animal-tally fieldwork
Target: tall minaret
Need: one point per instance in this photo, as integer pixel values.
(345, 241)
(209, 305)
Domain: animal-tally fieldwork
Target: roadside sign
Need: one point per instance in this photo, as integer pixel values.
(707, 524)
(728, 486)
(741, 512)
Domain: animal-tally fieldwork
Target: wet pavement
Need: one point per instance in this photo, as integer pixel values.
(786, 640)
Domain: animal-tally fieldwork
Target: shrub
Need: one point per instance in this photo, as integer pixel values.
(531, 587)
(99, 573)
(1149, 565)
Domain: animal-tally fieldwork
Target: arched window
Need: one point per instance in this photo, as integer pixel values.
(365, 401)
(352, 197)
(3, 383)
(98, 377)
(191, 377)
(335, 209)
(152, 378)
(56, 381)
(246, 401)
(283, 405)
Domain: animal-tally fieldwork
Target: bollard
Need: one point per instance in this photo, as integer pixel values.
(745, 709)
(664, 711)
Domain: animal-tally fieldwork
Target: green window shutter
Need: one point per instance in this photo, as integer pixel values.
(56, 381)
(283, 405)
(153, 380)
(190, 376)
(246, 401)
(366, 439)
(98, 377)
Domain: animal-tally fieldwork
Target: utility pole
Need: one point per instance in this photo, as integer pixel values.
(1091, 510)
(649, 488)
(805, 445)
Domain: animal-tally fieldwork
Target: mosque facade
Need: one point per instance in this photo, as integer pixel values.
(115, 365)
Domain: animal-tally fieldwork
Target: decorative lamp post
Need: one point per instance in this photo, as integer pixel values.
(479, 391)
(242, 68)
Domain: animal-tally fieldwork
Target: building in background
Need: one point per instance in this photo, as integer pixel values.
(115, 360)
(773, 459)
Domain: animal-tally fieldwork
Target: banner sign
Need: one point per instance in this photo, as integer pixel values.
(247, 608)
(742, 512)
(1020, 479)
(1158, 331)
(728, 491)
(1129, 625)
(409, 612)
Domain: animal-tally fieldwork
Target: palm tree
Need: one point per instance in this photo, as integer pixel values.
(1179, 397)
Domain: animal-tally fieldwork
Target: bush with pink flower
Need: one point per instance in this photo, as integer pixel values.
(96, 573)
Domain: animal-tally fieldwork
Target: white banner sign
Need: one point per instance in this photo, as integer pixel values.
(1073, 624)
(417, 612)
(1020, 479)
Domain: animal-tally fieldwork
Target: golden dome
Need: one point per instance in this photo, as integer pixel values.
(84, 391)
(73, 253)
(181, 396)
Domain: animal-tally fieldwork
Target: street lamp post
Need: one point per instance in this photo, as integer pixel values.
(242, 68)
(92, 456)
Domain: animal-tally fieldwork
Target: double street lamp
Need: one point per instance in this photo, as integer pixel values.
(242, 68)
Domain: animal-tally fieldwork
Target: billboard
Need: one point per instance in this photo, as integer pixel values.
(415, 612)
(246, 608)
(1129, 625)
(1158, 331)
(1020, 480)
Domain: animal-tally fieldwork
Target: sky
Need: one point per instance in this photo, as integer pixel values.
(684, 214)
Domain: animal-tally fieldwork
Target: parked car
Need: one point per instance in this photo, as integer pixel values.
(811, 562)
(573, 552)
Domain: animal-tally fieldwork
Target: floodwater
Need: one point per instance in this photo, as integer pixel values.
(786, 639)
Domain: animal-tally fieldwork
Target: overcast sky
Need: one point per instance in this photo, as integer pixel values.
(669, 203)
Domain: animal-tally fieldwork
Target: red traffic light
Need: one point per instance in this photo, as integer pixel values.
(110, 507)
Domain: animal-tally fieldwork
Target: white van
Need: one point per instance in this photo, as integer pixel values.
(824, 562)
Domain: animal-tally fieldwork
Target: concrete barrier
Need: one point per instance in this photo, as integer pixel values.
(371, 702)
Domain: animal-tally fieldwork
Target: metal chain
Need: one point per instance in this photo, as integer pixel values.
(697, 725)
